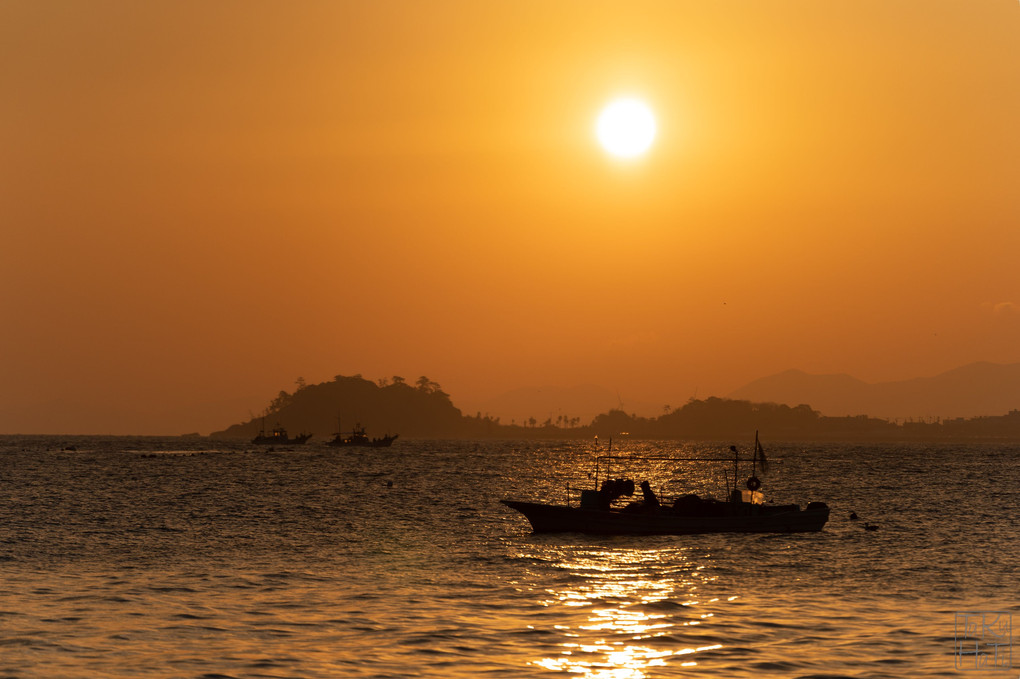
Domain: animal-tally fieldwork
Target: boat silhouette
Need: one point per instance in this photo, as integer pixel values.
(359, 438)
(743, 512)
(278, 436)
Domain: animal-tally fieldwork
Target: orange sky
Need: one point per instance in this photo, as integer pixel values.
(201, 202)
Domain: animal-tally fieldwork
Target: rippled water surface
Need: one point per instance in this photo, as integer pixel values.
(192, 558)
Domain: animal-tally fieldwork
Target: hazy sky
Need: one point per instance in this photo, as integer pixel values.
(202, 201)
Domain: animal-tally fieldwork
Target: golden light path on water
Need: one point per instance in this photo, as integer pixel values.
(628, 611)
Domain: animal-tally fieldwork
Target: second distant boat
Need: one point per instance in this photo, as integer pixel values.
(279, 437)
(358, 438)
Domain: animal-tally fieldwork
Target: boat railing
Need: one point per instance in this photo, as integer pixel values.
(605, 464)
(665, 494)
(666, 497)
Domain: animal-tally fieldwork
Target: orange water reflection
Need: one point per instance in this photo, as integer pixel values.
(625, 612)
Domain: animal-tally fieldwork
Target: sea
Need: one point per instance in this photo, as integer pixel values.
(189, 557)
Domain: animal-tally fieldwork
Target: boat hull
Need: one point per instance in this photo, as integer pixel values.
(361, 442)
(561, 519)
(284, 440)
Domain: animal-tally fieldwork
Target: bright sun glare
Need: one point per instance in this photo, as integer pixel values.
(626, 127)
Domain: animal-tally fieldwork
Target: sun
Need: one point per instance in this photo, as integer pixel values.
(626, 127)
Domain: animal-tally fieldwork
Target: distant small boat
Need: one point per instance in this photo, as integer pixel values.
(279, 437)
(359, 438)
(688, 514)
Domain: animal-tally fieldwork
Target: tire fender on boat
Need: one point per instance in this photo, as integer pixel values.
(753, 483)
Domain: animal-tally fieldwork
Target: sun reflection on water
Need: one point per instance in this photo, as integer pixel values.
(626, 611)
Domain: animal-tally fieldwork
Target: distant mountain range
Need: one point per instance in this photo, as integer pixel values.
(971, 391)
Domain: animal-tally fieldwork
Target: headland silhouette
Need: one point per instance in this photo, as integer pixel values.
(424, 410)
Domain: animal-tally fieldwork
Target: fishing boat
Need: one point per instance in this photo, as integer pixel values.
(744, 511)
(359, 438)
(279, 437)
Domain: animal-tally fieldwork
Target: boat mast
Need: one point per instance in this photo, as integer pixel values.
(609, 460)
(608, 457)
(754, 458)
(736, 470)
